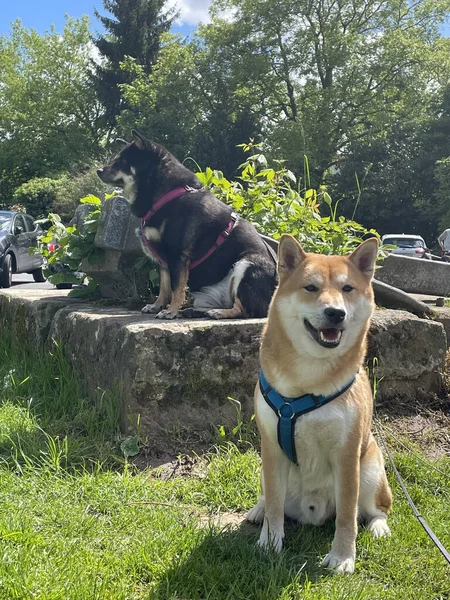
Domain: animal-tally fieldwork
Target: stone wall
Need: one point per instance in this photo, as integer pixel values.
(178, 375)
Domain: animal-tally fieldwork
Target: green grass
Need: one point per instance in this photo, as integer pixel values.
(76, 523)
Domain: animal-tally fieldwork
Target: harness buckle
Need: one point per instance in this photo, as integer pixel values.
(290, 414)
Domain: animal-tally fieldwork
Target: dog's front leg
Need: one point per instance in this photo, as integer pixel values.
(165, 293)
(346, 485)
(276, 467)
(179, 275)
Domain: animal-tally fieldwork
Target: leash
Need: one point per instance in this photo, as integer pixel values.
(436, 541)
(289, 410)
(172, 195)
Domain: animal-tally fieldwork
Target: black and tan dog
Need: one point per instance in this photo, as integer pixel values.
(196, 238)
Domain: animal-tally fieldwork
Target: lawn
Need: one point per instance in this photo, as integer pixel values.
(78, 522)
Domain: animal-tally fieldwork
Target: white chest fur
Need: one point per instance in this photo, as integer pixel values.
(319, 437)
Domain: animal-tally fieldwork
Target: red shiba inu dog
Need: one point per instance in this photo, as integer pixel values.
(313, 402)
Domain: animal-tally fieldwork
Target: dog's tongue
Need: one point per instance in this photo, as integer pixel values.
(329, 335)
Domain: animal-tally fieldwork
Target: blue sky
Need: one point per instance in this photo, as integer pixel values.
(40, 14)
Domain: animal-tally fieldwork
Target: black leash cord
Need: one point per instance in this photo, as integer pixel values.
(445, 553)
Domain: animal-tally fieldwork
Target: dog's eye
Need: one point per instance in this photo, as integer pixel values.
(347, 288)
(311, 288)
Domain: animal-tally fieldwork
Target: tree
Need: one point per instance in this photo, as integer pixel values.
(191, 104)
(135, 31)
(326, 73)
(403, 176)
(49, 117)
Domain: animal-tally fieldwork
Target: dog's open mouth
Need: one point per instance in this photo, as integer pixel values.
(328, 338)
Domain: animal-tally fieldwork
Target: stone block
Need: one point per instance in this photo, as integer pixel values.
(178, 375)
(410, 354)
(116, 228)
(115, 270)
(415, 275)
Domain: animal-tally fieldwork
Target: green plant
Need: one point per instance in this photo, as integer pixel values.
(243, 432)
(73, 245)
(75, 186)
(274, 201)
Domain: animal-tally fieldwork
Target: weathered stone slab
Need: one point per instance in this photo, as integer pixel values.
(28, 314)
(178, 375)
(115, 269)
(117, 226)
(415, 275)
(409, 352)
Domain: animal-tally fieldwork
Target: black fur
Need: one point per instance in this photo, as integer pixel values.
(192, 223)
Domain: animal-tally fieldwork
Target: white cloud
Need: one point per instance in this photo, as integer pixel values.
(192, 12)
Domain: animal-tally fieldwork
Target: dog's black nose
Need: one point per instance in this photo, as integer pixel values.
(335, 315)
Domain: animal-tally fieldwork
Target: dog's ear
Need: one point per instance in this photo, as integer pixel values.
(365, 256)
(121, 142)
(140, 141)
(290, 254)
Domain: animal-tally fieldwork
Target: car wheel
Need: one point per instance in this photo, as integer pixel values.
(6, 275)
(63, 286)
(38, 275)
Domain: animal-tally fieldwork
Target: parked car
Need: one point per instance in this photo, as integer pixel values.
(410, 245)
(18, 233)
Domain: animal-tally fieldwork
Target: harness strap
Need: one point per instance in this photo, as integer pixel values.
(220, 240)
(289, 410)
(176, 193)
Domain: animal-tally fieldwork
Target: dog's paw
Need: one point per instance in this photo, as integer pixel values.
(215, 313)
(256, 514)
(379, 528)
(271, 542)
(167, 314)
(340, 564)
(150, 309)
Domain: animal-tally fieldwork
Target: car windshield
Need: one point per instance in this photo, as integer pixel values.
(405, 242)
(5, 222)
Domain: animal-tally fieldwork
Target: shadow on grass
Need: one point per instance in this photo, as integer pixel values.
(227, 565)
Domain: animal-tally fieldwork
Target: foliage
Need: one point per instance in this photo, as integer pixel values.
(311, 68)
(401, 190)
(74, 245)
(39, 195)
(193, 109)
(443, 192)
(301, 75)
(134, 31)
(273, 201)
(75, 186)
(48, 113)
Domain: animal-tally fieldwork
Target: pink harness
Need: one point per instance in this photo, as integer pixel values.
(165, 198)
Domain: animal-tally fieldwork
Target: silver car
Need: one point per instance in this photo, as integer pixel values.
(410, 245)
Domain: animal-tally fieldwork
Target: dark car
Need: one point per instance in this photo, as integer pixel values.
(18, 233)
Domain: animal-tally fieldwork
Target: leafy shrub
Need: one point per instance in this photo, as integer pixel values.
(73, 246)
(269, 198)
(74, 187)
(38, 195)
(43, 195)
(272, 201)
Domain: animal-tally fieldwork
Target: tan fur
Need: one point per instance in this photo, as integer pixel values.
(341, 468)
(178, 295)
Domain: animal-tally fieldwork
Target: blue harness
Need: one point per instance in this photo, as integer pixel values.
(289, 409)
